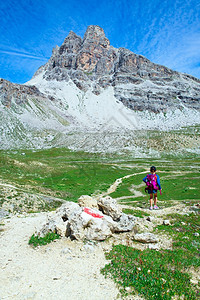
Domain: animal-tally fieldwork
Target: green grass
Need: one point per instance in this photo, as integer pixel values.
(60, 172)
(65, 174)
(149, 273)
(179, 180)
(39, 241)
(124, 189)
(163, 274)
(185, 244)
(136, 213)
(181, 187)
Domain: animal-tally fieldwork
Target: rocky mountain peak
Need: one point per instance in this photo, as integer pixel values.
(141, 85)
(72, 44)
(95, 35)
(72, 35)
(94, 50)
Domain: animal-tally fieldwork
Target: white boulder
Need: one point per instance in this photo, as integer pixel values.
(87, 201)
(146, 237)
(86, 223)
(110, 207)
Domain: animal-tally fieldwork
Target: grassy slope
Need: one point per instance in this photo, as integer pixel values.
(60, 172)
(179, 180)
(160, 274)
(68, 175)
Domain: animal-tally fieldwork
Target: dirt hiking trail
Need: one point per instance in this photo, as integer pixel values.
(64, 269)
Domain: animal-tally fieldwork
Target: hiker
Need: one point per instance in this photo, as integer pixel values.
(153, 185)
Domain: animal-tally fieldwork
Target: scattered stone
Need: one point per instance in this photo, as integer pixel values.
(146, 237)
(194, 208)
(83, 226)
(47, 250)
(66, 251)
(194, 281)
(3, 213)
(30, 295)
(196, 234)
(88, 248)
(58, 220)
(128, 289)
(166, 222)
(153, 246)
(150, 218)
(125, 223)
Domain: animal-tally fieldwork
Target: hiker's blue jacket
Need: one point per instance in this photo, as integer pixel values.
(157, 180)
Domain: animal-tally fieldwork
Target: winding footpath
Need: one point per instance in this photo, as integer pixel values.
(118, 181)
(62, 270)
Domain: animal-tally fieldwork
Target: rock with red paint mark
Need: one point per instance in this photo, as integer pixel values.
(84, 223)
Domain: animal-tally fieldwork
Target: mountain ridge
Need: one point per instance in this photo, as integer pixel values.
(89, 86)
(92, 63)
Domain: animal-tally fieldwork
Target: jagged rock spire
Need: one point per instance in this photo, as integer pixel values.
(72, 43)
(140, 84)
(95, 34)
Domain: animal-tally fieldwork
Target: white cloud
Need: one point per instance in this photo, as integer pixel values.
(23, 54)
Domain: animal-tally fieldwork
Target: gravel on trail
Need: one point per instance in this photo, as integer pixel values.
(64, 269)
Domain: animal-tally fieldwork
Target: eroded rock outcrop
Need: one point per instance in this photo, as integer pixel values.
(17, 93)
(84, 223)
(57, 107)
(92, 63)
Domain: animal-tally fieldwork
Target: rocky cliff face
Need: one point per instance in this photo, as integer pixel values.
(28, 117)
(11, 93)
(92, 63)
(90, 96)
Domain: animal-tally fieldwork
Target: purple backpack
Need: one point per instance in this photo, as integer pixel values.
(151, 182)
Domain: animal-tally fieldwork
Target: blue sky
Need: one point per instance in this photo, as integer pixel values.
(166, 32)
